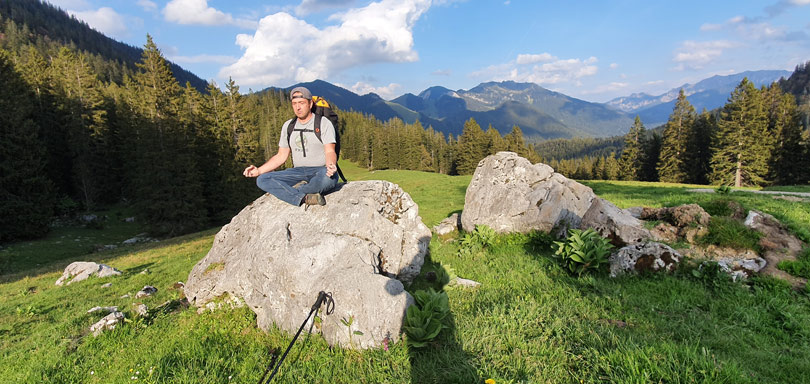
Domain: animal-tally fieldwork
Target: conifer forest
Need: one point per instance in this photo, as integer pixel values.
(81, 131)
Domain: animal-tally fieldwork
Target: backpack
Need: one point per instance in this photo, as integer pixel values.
(321, 108)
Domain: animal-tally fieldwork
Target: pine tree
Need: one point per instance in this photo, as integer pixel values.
(700, 152)
(673, 164)
(84, 117)
(37, 73)
(26, 203)
(472, 148)
(743, 144)
(632, 157)
(495, 142)
(787, 163)
(612, 168)
(165, 180)
(652, 155)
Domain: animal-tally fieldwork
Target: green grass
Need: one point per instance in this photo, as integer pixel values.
(529, 322)
(66, 241)
(796, 215)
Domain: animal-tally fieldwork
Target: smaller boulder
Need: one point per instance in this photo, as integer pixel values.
(776, 236)
(147, 290)
(103, 309)
(650, 256)
(466, 283)
(688, 215)
(448, 225)
(614, 224)
(141, 310)
(81, 270)
(107, 323)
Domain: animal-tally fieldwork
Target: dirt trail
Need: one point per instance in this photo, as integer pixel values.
(710, 190)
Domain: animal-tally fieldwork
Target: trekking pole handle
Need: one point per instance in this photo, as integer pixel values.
(324, 297)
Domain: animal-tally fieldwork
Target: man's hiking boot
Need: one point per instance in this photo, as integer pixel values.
(314, 199)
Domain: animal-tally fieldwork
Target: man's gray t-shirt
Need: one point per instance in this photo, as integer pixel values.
(307, 150)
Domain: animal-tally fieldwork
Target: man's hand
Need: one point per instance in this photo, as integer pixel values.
(330, 170)
(251, 171)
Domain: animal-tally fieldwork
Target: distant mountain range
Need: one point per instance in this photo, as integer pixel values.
(540, 113)
(710, 93)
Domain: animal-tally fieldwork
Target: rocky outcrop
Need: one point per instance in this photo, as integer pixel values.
(740, 264)
(686, 222)
(360, 247)
(81, 270)
(643, 257)
(777, 244)
(510, 194)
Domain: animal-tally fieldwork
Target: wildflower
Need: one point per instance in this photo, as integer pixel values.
(489, 381)
(92, 372)
(385, 344)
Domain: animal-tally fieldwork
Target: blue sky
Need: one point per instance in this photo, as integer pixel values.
(592, 50)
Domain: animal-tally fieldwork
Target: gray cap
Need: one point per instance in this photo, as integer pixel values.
(303, 91)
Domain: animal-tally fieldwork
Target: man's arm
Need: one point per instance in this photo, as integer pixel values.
(276, 161)
(331, 159)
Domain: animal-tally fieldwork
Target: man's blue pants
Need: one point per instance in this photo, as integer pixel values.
(280, 183)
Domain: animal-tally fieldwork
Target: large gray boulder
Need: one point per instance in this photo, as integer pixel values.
(510, 194)
(360, 247)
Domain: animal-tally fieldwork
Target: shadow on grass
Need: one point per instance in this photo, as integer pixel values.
(138, 268)
(23, 270)
(443, 360)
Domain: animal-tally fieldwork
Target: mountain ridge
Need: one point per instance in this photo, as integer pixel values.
(709, 93)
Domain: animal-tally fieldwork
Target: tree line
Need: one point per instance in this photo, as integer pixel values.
(73, 139)
(73, 135)
(757, 138)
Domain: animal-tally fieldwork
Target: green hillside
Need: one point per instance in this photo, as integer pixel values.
(529, 322)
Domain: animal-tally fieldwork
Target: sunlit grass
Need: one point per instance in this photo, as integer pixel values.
(528, 322)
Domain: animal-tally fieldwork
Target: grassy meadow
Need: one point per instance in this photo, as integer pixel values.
(529, 322)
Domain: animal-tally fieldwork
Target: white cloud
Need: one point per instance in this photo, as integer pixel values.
(697, 54)
(800, 2)
(526, 68)
(197, 12)
(147, 5)
(286, 50)
(104, 20)
(531, 59)
(387, 92)
(614, 65)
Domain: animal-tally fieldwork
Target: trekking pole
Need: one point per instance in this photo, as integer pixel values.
(330, 307)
